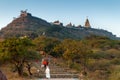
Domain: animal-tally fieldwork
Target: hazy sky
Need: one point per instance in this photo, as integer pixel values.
(102, 14)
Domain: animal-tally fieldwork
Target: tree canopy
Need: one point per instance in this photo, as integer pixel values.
(17, 51)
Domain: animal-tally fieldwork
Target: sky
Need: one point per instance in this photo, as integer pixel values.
(102, 14)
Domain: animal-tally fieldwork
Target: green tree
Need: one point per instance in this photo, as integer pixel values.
(76, 51)
(18, 51)
(46, 44)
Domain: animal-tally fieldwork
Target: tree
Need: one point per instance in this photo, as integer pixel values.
(75, 51)
(46, 44)
(17, 51)
(84, 52)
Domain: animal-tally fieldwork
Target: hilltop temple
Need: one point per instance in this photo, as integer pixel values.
(24, 13)
(70, 25)
(87, 24)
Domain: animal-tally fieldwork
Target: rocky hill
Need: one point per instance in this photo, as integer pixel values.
(28, 25)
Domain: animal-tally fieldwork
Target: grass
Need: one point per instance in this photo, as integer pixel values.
(6, 69)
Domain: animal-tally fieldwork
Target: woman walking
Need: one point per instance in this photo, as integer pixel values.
(47, 72)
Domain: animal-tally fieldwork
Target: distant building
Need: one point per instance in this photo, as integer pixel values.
(79, 26)
(57, 23)
(69, 25)
(87, 24)
(24, 13)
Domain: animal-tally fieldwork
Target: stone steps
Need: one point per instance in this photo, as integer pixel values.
(59, 75)
(58, 79)
(60, 71)
(61, 79)
(56, 71)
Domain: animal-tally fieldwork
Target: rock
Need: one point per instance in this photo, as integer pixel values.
(2, 76)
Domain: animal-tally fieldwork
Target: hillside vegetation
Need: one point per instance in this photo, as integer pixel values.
(96, 57)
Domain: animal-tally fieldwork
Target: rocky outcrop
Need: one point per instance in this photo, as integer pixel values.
(25, 25)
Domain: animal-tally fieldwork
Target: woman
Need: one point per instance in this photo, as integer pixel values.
(47, 72)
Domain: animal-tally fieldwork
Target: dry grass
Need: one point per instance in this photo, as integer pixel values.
(6, 69)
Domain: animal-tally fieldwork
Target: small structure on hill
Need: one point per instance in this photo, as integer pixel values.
(87, 24)
(57, 23)
(69, 25)
(24, 13)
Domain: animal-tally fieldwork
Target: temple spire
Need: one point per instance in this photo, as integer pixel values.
(87, 24)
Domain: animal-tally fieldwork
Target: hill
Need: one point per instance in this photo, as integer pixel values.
(28, 25)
